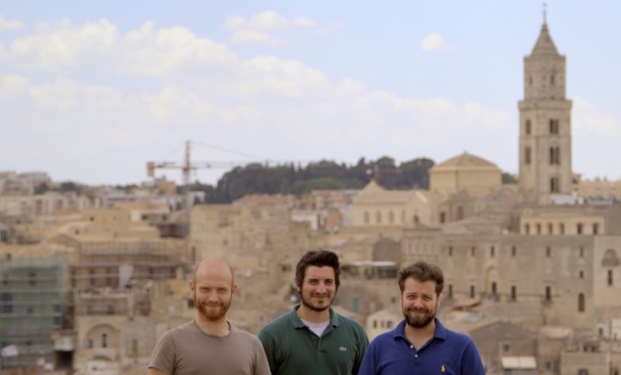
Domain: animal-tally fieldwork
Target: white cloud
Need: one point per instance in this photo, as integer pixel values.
(303, 21)
(268, 20)
(434, 42)
(146, 51)
(258, 28)
(14, 82)
(10, 24)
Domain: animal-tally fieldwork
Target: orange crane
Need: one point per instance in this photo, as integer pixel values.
(186, 168)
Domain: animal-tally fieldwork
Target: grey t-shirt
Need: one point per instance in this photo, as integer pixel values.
(186, 350)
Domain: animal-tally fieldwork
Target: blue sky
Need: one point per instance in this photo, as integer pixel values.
(91, 91)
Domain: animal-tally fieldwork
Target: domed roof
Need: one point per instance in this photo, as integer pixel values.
(465, 161)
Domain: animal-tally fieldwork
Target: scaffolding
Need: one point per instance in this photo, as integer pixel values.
(33, 302)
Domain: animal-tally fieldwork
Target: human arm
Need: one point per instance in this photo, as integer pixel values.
(154, 371)
(363, 344)
(368, 366)
(261, 365)
(162, 361)
(269, 347)
(471, 363)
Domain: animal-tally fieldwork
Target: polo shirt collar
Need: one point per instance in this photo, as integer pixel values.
(440, 332)
(298, 323)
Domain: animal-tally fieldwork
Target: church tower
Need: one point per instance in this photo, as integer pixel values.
(545, 124)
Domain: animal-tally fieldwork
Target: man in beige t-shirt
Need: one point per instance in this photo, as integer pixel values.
(209, 345)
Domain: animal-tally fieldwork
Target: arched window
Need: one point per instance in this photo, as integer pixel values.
(610, 258)
(366, 217)
(581, 302)
(378, 217)
(391, 217)
(415, 219)
(104, 340)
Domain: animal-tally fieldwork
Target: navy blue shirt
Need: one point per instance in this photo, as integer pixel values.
(448, 353)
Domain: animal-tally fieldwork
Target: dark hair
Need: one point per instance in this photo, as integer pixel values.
(318, 258)
(422, 271)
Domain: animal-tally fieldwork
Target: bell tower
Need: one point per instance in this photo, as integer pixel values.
(545, 124)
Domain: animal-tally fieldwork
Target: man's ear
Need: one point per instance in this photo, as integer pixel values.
(233, 289)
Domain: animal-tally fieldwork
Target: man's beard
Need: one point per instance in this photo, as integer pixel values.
(212, 312)
(319, 308)
(419, 322)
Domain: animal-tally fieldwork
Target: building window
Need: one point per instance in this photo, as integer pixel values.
(548, 251)
(554, 126)
(442, 217)
(494, 289)
(460, 213)
(580, 302)
(450, 291)
(579, 228)
(513, 251)
(32, 278)
(581, 275)
(526, 228)
(506, 348)
(366, 217)
(550, 228)
(548, 294)
(89, 343)
(378, 217)
(491, 251)
(391, 217)
(527, 127)
(581, 252)
(609, 279)
(389, 324)
(374, 323)
(513, 293)
(554, 185)
(473, 251)
(583, 371)
(450, 251)
(472, 291)
(538, 226)
(104, 340)
(527, 155)
(610, 258)
(561, 228)
(595, 228)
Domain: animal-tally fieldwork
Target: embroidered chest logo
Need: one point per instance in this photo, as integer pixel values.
(342, 349)
(443, 368)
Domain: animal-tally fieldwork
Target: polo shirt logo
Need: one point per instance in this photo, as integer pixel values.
(443, 368)
(343, 349)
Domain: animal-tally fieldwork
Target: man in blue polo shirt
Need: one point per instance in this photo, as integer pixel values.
(420, 344)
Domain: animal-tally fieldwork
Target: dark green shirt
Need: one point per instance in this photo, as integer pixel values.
(292, 348)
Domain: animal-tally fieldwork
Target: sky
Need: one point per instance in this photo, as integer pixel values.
(92, 91)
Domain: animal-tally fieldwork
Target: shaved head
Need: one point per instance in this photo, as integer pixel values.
(211, 265)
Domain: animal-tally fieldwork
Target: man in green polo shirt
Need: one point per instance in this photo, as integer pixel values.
(313, 339)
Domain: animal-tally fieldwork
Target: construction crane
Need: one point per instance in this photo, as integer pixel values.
(186, 168)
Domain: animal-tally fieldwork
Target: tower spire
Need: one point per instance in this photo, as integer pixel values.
(545, 21)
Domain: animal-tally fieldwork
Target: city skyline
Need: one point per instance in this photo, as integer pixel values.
(91, 93)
